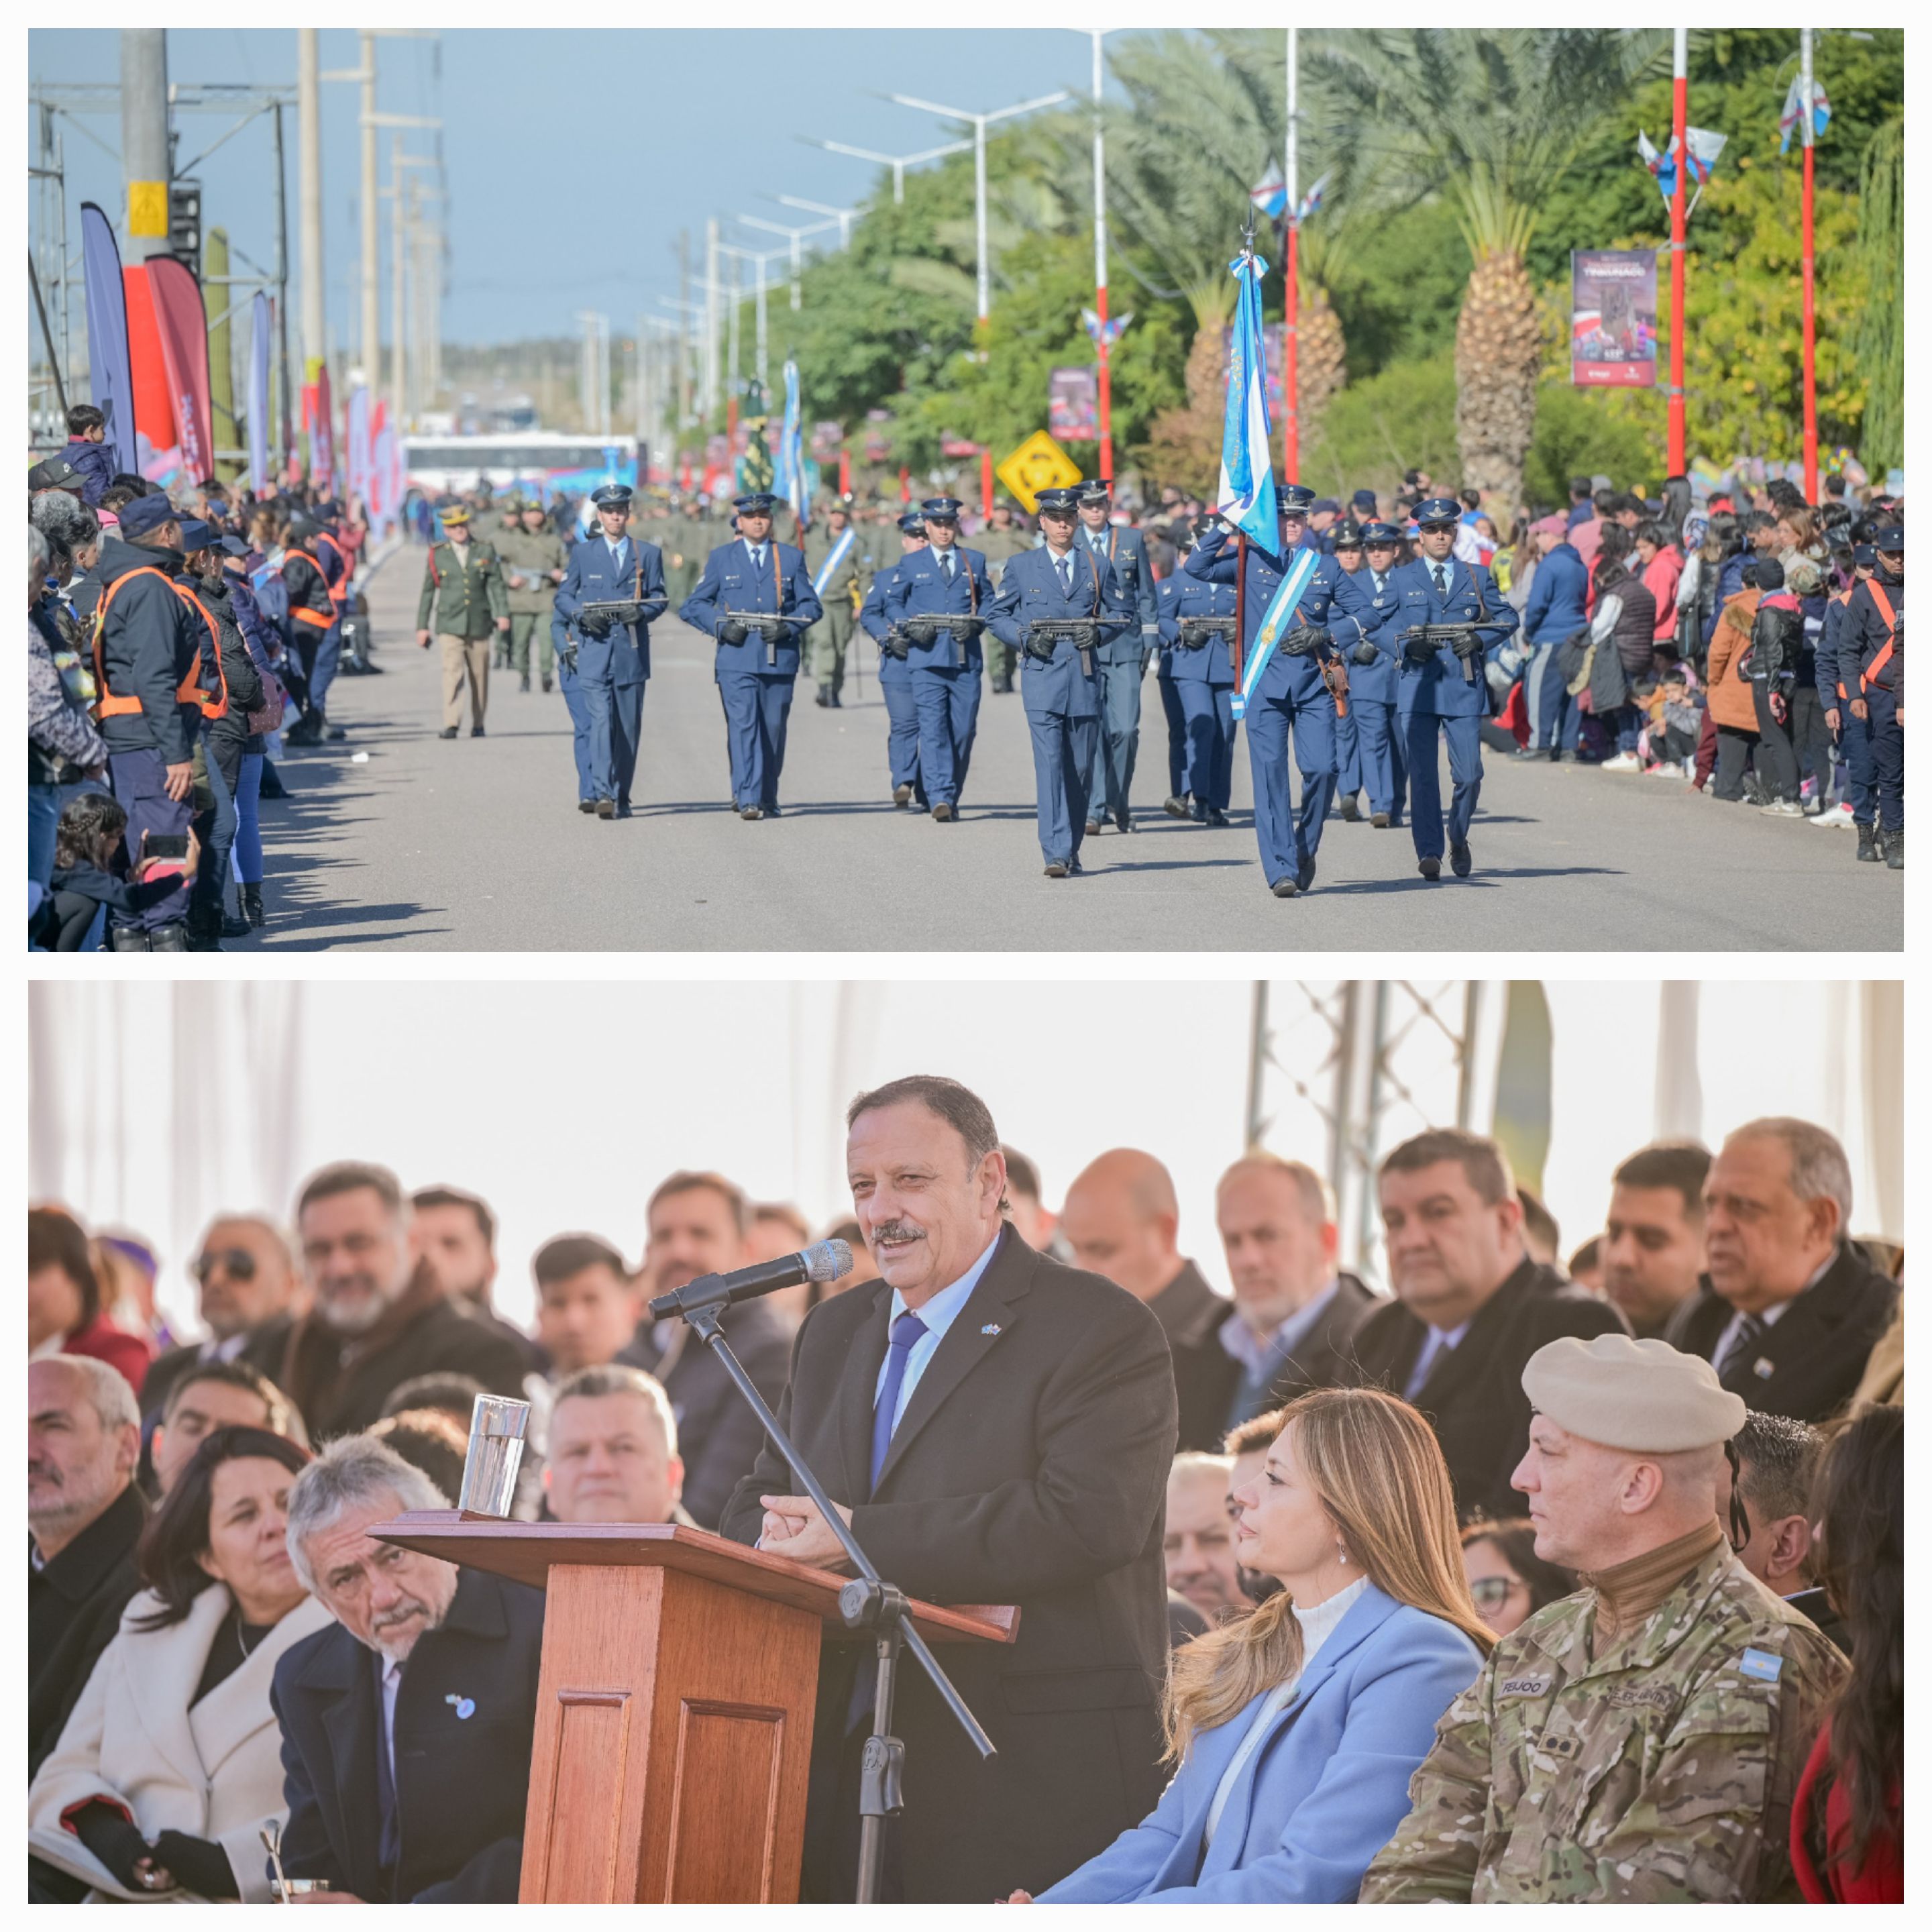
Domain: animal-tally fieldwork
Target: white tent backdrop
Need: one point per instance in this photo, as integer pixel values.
(563, 1102)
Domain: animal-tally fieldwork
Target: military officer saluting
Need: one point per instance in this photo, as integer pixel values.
(1293, 695)
(1440, 687)
(832, 558)
(895, 671)
(1122, 663)
(1060, 683)
(938, 599)
(534, 560)
(1204, 684)
(752, 576)
(610, 592)
(464, 599)
(1371, 755)
(1641, 1741)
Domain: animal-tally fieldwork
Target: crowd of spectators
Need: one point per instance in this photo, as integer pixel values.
(1403, 1482)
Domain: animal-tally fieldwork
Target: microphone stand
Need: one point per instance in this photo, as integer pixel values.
(868, 1603)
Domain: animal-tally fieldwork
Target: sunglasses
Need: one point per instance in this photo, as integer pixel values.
(237, 1263)
(1491, 1593)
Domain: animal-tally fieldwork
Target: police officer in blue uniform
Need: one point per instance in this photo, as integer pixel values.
(1293, 698)
(1837, 685)
(1060, 683)
(754, 575)
(896, 672)
(1204, 684)
(620, 578)
(1871, 655)
(1372, 753)
(1441, 689)
(943, 581)
(1122, 663)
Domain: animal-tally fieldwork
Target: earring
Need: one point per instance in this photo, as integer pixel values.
(1341, 1552)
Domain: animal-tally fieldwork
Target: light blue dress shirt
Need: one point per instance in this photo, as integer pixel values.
(1259, 1357)
(616, 548)
(938, 1314)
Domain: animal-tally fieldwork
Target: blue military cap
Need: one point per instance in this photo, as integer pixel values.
(1349, 536)
(1062, 501)
(913, 523)
(1381, 533)
(1328, 503)
(1438, 510)
(756, 503)
(234, 546)
(1891, 539)
(1296, 499)
(611, 496)
(945, 508)
(146, 513)
(1865, 556)
(1095, 492)
(196, 534)
(1364, 499)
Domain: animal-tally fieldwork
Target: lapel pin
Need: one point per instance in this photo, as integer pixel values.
(991, 1328)
(465, 1707)
(1764, 1368)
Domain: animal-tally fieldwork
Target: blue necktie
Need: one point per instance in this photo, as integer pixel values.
(906, 1330)
(1066, 575)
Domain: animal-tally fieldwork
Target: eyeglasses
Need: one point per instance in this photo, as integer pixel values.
(237, 1263)
(1491, 1593)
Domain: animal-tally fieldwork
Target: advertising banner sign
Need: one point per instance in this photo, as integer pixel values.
(1073, 404)
(1613, 318)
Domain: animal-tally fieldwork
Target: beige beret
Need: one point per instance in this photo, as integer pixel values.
(1643, 1396)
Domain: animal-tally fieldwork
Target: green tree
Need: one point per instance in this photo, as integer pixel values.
(1879, 343)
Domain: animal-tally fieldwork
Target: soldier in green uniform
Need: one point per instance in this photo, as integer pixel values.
(464, 604)
(511, 506)
(1642, 1740)
(685, 549)
(833, 556)
(533, 559)
(1002, 537)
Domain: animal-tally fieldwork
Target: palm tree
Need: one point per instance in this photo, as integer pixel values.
(1490, 118)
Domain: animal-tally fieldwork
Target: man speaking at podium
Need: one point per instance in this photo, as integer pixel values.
(997, 1429)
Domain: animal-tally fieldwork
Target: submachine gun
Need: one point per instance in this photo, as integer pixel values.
(1420, 642)
(1043, 635)
(925, 630)
(735, 626)
(1196, 633)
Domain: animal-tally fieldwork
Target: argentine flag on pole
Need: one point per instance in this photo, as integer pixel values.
(1246, 495)
(791, 450)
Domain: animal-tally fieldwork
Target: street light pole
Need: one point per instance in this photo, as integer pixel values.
(1291, 373)
(843, 216)
(308, 91)
(898, 164)
(1680, 108)
(797, 236)
(1807, 133)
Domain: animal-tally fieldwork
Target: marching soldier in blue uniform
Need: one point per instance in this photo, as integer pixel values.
(1060, 683)
(944, 580)
(1293, 695)
(1204, 685)
(1122, 663)
(1165, 593)
(564, 646)
(754, 576)
(1440, 687)
(1371, 757)
(1871, 658)
(896, 672)
(612, 589)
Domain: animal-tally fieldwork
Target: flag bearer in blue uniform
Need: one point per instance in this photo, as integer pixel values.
(1122, 663)
(1377, 767)
(943, 580)
(1204, 685)
(612, 568)
(754, 575)
(1441, 689)
(1060, 683)
(895, 672)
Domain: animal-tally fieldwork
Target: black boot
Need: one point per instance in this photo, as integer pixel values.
(1895, 849)
(127, 939)
(271, 784)
(173, 937)
(251, 907)
(234, 925)
(306, 731)
(823, 700)
(1868, 844)
(204, 929)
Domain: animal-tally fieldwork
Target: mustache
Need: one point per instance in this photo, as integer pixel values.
(898, 1230)
(47, 1472)
(401, 1614)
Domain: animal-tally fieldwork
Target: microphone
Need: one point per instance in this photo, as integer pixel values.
(823, 1261)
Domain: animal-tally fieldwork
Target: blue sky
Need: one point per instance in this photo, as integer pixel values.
(688, 123)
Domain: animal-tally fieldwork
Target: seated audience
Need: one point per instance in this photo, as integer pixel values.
(251, 1294)
(1198, 1543)
(64, 1315)
(1793, 1307)
(612, 1450)
(84, 1517)
(1471, 1308)
(1777, 1464)
(1508, 1582)
(429, 1440)
(1640, 1740)
(170, 1766)
(589, 1305)
(1848, 1822)
(456, 1235)
(1653, 1238)
(216, 1396)
(1586, 1267)
(1294, 1729)
(406, 1728)
(1541, 1237)
(1033, 1221)
(379, 1314)
(775, 1229)
(1246, 1447)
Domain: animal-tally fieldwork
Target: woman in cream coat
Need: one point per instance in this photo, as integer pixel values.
(170, 1766)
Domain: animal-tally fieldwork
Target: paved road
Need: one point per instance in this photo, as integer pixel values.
(477, 845)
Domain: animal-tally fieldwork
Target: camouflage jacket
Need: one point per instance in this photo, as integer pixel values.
(1661, 1771)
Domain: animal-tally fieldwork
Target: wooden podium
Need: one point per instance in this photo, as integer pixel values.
(674, 1721)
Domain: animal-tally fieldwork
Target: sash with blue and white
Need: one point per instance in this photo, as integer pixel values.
(1274, 622)
(829, 568)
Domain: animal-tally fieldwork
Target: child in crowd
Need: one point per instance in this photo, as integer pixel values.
(91, 872)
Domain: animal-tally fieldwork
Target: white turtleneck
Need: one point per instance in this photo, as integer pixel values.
(1318, 1624)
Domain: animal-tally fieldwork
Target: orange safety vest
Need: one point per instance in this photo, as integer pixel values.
(338, 595)
(1890, 616)
(321, 619)
(189, 691)
(1843, 599)
(209, 710)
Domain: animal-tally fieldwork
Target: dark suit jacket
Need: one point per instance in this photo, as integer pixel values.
(73, 1610)
(1817, 1348)
(461, 1782)
(718, 1437)
(263, 1349)
(1324, 1357)
(1473, 1397)
(1030, 1468)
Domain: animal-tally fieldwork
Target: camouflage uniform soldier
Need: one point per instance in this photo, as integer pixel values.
(1642, 1740)
(840, 593)
(1003, 538)
(511, 506)
(534, 560)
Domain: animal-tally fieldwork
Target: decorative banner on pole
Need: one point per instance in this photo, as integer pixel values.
(1270, 194)
(1613, 318)
(358, 442)
(1246, 494)
(1793, 112)
(108, 375)
(321, 434)
(1073, 404)
(261, 325)
(1109, 332)
(1311, 202)
(157, 438)
(181, 320)
(793, 479)
(1705, 146)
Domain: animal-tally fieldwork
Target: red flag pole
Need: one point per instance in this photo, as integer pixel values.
(844, 471)
(1679, 112)
(985, 481)
(1805, 123)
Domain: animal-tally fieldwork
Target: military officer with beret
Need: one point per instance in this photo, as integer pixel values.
(895, 672)
(1293, 694)
(753, 576)
(1122, 663)
(1641, 1741)
(937, 600)
(534, 561)
(1060, 683)
(1204, 685)
(1370, 757)
(463, 591)
(1441, 689)
(833, 557)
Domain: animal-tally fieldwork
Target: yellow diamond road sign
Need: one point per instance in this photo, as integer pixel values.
(1039, 464)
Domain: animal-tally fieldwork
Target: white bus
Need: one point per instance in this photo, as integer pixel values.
(441, 465)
